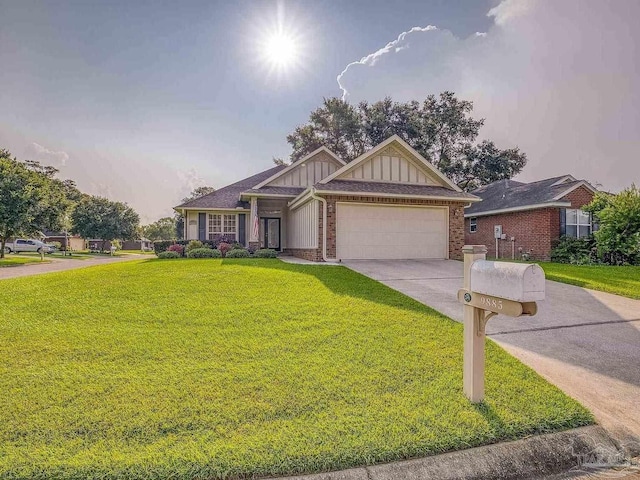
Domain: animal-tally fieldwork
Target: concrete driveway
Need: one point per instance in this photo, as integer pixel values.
(585, 342)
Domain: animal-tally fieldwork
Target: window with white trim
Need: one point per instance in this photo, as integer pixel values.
(222, 225)
(578, 223)
(473, 224)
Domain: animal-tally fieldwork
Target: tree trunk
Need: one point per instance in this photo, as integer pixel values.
(102, 246)
(3, 243)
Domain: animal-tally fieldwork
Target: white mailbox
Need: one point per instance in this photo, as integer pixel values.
(520, 282)
(492, 288)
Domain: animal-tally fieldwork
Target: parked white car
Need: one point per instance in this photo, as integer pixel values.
(28, 245)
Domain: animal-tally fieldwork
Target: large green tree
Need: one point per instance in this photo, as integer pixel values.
(31, 199)
(99, 217)
(440, 128)
(618, 236)
(162, 229)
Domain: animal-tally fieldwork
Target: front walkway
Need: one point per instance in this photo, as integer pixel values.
(585, 342)
(59, 265)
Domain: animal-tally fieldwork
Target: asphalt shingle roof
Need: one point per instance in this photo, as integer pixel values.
(511, 194)
(229, 196)
(393, 188)
(290, 191)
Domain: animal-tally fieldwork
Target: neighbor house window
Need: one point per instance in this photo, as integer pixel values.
(222, 225)
(473, 224)
(578, 223)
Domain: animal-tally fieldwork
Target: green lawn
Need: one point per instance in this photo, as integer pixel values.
(137, 252)
(184, 369)
(623, 281)
(14, 261)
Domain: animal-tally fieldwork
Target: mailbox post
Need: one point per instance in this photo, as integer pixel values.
(492, 288)
(473, 372)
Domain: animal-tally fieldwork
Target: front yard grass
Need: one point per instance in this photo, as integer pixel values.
(620, 280)
(187, 369)
(15, 261)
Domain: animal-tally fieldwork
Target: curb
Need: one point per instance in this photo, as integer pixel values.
(532, 457)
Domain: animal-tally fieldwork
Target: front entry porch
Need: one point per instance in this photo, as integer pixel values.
(268, 218)
(271, 233)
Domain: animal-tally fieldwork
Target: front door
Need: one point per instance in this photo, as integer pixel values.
(272, 233)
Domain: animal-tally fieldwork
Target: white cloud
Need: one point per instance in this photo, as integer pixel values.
(509, 9)
(559, 79)
(370, 60)
(48, 156)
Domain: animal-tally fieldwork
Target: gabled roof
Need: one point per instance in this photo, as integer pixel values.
(509, 195)
(393, 139)
(299, 162)
(229, 197)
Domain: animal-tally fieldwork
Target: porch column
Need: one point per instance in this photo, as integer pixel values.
(254, 230)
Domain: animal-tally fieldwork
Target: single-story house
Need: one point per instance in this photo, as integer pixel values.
(515, 219)
(389, 203)
(74, 242)
(98, 245)
(143, 244)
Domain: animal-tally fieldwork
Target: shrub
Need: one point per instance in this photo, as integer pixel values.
(162, 245)
(265, 253)
(238, 253)
(578, 251)
(224, 248)
(218, 239)
(204, 252)
(179, 249)
(195, 245)
(169, 254)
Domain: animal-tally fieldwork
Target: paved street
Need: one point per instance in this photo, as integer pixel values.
(585, 342)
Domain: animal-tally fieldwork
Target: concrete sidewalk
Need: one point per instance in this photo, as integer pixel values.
(585, 342)
(59, 265)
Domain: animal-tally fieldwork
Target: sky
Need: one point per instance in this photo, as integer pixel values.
(143, 101)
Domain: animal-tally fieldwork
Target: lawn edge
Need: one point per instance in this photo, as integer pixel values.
(531, 457)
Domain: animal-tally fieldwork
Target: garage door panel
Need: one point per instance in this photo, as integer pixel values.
(394, 232)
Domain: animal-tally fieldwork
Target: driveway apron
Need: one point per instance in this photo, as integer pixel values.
(585, 342)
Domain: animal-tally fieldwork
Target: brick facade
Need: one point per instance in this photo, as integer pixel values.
(456, 224)
(311, 254)
(534, 231)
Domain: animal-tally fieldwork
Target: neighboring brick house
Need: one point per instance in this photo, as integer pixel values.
(389, 203)
(74, 242)
(529, 217)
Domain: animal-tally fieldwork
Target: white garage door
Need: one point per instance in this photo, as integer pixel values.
(393, 232)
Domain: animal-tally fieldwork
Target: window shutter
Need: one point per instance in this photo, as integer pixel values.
(202, 226)
(241, 228)
(563, 222)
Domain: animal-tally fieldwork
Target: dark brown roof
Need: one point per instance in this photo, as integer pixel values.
(392, 188)
(229, 196)
(505, 194)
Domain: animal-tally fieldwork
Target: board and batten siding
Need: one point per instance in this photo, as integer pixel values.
(308, 173)
(389, 166)
(303, 226)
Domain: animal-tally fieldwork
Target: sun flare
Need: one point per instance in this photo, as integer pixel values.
(280, 50)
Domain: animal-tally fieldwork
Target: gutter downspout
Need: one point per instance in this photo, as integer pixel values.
(324, 226)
